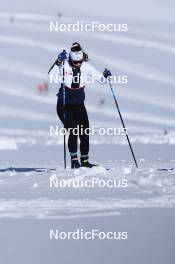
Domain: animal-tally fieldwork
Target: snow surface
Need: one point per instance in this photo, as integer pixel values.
(29, 155)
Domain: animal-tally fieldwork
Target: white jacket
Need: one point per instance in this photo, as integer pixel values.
(88, 74)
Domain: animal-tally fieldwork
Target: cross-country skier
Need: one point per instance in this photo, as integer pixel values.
(74, 114)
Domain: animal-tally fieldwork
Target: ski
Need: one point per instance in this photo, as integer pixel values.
(166, 169)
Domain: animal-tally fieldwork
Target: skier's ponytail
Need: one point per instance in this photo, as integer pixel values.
(85, 56)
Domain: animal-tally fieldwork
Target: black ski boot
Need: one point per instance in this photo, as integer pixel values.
(74, 162)
(85, 163)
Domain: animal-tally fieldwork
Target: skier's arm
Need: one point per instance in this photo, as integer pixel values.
(55, 74)
(55, 69)
(98, 76)
(95, 74)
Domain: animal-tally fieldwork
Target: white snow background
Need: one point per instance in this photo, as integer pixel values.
(29, 156)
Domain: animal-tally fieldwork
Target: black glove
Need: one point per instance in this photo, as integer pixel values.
(107, 73)
(61, 57)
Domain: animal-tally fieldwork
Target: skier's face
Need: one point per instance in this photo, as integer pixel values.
(77, 64)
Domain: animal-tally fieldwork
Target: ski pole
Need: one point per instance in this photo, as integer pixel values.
(64, 114)
(123, 124)
(52, 67)
(64, 100)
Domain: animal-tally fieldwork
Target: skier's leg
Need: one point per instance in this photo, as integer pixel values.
(84, 140)
(84, 136)
(69, 123)
(80, 115)
(72, 144)
(81, 118)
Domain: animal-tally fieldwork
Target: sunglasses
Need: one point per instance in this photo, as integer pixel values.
(77, 62)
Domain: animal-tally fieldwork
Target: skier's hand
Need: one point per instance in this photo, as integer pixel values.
(107, 73)
(61, 57)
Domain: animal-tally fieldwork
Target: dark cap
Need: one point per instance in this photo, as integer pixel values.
(76, 47)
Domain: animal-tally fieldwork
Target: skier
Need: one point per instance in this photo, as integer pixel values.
(74, 113)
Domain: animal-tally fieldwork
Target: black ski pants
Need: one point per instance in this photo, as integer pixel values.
(75, 116)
